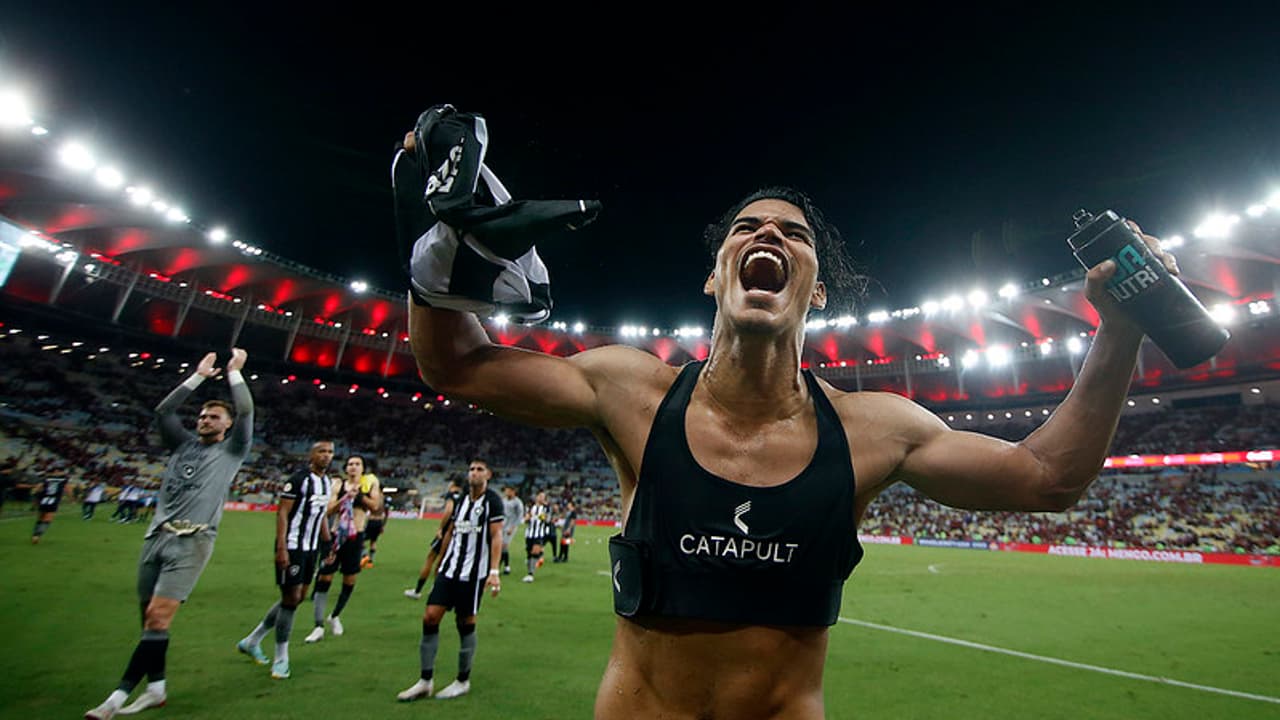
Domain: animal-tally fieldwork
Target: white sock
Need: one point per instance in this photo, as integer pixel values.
(116, 698)
(282, 652)
(156, 687)
(260, 632)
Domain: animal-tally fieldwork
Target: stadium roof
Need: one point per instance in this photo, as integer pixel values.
(92, 242)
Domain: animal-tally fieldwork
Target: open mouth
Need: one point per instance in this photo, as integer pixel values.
(763, 268)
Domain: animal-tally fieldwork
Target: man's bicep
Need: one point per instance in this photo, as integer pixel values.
(975, 471)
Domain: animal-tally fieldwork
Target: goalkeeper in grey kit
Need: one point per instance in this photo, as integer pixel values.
(179, 541)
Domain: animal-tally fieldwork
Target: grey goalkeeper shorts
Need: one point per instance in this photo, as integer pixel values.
(171, 564)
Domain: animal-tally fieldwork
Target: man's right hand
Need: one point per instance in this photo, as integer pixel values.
(206, 368)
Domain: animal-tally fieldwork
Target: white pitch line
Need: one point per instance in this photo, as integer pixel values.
(1064, 663)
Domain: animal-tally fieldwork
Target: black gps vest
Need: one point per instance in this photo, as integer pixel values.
(698, 546)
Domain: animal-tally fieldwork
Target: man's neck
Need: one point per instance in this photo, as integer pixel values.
(477, 492)
(755, 376)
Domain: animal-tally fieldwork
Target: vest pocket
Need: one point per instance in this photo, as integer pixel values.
(630, 578)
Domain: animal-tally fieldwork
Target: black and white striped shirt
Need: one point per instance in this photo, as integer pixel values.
(539, 522)
(467, 557)
(310, 495)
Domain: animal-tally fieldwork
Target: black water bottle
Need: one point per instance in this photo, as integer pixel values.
(1147, 293)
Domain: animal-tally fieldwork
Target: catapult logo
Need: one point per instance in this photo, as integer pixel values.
(738, 512)
(740, 548)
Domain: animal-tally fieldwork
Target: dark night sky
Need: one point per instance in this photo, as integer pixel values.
(947, 148)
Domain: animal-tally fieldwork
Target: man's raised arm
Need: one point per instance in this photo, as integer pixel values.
(1053, 466)
(171, 430)
(242, 430)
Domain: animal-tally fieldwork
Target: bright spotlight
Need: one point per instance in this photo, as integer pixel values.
(1008, 291)
(1046, 347)
(1259, 307)
(953, 303)
(1075, 345)
(14, 111)
(969, 359)
(109, 177)
(1273, 202)
(579, 327)
(977, 298)
(1217, 226)
(1223, 314)
(998, 356)
(930, 307)
(878, 316)
(1256, 210)
(39, 130)
(1173, 241)
(176, 214)
(501, 320)
(218, 235)
(360, 286)
(141, 196)
(76, 156)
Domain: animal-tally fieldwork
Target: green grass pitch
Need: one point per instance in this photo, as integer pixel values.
(70, 621)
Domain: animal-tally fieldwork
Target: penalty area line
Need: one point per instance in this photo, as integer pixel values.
(1057, 661)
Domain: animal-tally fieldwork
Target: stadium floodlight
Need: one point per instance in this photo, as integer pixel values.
(1273, 202)
(998, 356)
(501, 319)
(218, 235)
(655, 332)
(969, 359)
(977, 298)
(14, 110)
(642, 331)
(953, 303)
(1008, 291)
(930, 307)
(1223, 314)
(1256, 210)
(39, 130)
(1046, 347)
(359, 286)
(843, 321)
(1259, 307)
(1173, 241)
(176, 214)
(1075, 345)
(816, 324)
(160, 206)
(76, 156)
(944, 361)
(1045, 282)
(141, 196)
(876, 317)
(1216, 226)
(109, 177)
(578, 327)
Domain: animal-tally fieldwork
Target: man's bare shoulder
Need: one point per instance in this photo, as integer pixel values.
(624, 366)
(889, 412)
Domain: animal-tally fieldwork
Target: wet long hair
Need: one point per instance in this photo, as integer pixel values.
(846, 284)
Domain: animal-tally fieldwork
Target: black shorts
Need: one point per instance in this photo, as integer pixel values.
(47, 507)
(299, 571)
(348, 560)
(530, 542)
(374, 529)
(461, 596)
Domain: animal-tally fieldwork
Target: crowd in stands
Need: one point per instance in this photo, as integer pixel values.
(89, 416)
